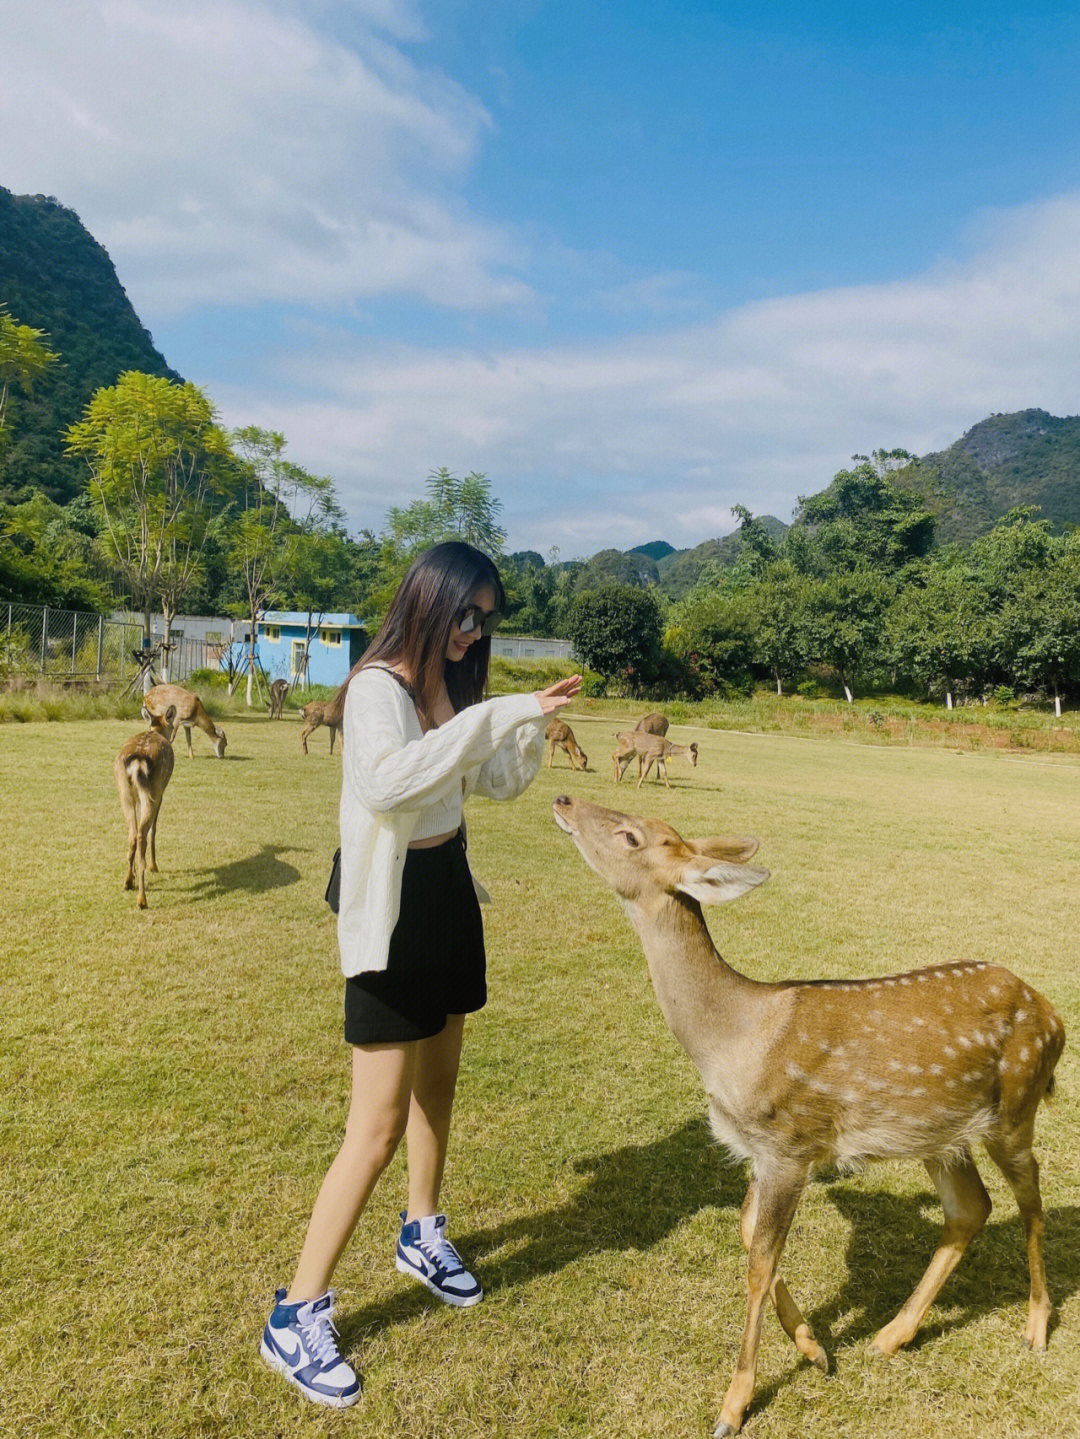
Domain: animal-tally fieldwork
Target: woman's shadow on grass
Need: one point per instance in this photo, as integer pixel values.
(253, 875)
(634, 1197)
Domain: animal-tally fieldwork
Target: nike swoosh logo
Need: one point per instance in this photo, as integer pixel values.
(288, 1356)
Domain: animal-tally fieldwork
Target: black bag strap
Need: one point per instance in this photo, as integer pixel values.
(402, 681)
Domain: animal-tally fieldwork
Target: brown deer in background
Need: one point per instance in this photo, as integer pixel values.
(649, 750)
(190, 710)
(560, 736)
(652, 723)
(922, 1065)
(322, 712)
(142, 769)
(278, 690)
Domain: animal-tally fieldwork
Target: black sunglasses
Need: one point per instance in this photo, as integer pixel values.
(473, 617)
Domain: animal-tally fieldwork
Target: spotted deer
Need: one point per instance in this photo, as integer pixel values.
(559, 735)
(649, 750)
(322, 712)
(652, 723)
(922, 1065)
(142, 769)
(190, 711)
(278, 690)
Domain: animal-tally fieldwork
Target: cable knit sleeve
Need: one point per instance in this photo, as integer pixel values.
(514, 765)
(386, 770)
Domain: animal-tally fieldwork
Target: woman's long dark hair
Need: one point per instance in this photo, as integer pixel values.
(416, 631)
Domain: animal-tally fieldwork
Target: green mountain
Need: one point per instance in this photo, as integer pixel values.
(55, 277)
(1027, 458)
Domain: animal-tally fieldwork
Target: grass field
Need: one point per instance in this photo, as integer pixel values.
(174, 1086)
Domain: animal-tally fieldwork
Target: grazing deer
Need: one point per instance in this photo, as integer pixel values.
(321, 712)
(649, 749)
(190, 710)
(922, 1065)
(278, 690)
(652, 723)
(560, 736)
(142, 769)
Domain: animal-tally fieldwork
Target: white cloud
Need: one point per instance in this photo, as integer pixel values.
(656, 437)
(227, 151)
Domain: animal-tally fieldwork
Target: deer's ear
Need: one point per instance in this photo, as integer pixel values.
(735, 848)
(170, 714)
(717, 883)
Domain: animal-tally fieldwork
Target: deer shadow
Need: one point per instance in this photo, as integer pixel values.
(890, 1241)
(255, 874)
(635, 1196)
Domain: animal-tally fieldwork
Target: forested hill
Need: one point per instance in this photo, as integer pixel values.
(54, 276)
(1027, 458)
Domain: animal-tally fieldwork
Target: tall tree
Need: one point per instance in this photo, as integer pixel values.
(276, 500)
(616, 631)
(23, 358)
(846, 622)
(941, 632)
(863, 518)
(156, 460)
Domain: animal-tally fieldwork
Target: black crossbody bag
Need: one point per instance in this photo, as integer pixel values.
(333, 887)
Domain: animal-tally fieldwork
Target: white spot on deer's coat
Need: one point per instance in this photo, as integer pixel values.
(1024, 1053)
(963, 1041)
(936, 1069)
(922, 976)
(1020, 1016)
(948, 1049)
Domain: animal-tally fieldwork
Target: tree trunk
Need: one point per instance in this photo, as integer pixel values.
(948, 699)
(148, 640)
(1057, 702)
(779, 685)
(167, 617)
(251, 661)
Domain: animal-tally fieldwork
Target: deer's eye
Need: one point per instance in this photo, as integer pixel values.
(631, 839)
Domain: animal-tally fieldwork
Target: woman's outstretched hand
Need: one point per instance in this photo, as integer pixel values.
(558, 694)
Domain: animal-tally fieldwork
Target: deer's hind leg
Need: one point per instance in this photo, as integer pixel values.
(152, 862)
(1014, 1158)
(787, 1311)
(967, 1208)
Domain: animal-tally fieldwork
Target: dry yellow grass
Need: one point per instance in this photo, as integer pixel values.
(174, 1085)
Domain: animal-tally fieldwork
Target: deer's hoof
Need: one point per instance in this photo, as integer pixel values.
(723, 1430)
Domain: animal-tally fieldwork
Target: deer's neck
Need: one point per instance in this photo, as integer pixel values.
(707, 1004)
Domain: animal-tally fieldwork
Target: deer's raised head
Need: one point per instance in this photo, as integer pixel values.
(645, 859)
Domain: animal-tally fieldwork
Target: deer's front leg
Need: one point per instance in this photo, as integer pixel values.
(777, 1201)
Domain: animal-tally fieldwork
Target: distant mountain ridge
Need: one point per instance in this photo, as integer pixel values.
(54, 276)
(57, 278)
(1027, 458)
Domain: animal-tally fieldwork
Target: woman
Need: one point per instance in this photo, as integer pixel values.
(418, 738)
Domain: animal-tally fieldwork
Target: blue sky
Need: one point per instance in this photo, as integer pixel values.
(636, 262)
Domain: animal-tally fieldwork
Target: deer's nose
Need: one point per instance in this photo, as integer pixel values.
(562, 799)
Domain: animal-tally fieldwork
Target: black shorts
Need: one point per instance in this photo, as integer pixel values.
(437, 964)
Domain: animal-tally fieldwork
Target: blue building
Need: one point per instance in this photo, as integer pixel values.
(337, 642)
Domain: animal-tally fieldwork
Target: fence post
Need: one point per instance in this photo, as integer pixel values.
(74, 637)
(44, 632)
(100, 644)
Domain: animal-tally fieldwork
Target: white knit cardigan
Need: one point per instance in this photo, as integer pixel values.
(392, 770)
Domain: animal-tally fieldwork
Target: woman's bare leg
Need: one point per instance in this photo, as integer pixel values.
(378, 1113)
(428, 1131)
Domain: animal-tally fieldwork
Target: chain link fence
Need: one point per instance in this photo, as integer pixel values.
(66, 646)
(40, 642)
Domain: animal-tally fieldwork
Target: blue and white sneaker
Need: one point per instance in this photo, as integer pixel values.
(424, 1251)
(300, 1341)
